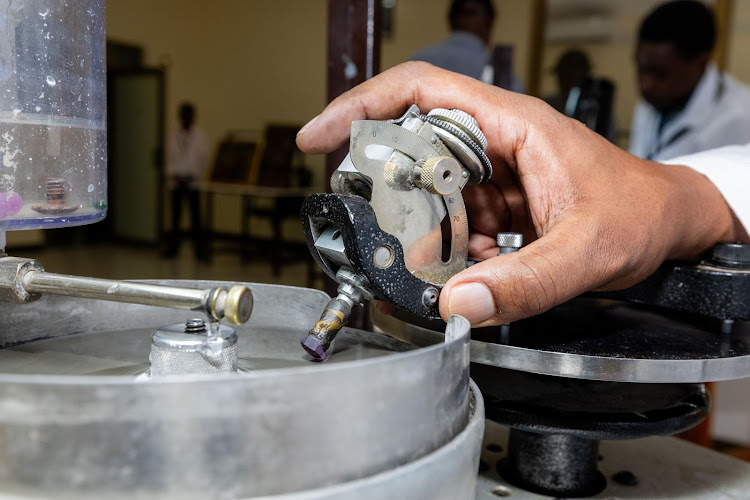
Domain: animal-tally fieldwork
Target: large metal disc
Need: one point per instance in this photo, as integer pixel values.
(603, 340)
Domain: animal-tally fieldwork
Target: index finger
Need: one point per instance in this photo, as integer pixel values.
(388, 95)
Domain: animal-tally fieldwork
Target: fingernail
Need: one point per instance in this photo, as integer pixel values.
(473, 301)
(302, 130)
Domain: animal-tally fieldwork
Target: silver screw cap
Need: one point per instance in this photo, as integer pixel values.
(462, 120)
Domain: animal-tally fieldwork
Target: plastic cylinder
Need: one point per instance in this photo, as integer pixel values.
(53, 144)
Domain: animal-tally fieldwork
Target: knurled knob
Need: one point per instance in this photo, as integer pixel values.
(462, 120)
(441, 175)
(731, 255)
(239, 305)
(509, 242)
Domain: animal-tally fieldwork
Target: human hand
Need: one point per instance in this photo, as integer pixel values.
(603, 218)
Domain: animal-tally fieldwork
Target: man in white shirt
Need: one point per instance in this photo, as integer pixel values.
(187, 160)
(688, 104)
(598, 218)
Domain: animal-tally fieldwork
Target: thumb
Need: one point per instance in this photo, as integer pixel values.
(547, 272)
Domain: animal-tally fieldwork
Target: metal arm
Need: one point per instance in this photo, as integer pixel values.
(24, 280)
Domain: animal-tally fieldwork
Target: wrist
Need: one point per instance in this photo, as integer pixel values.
(697, 214)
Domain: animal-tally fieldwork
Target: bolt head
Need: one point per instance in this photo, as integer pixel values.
(430, 297)
(12, 272)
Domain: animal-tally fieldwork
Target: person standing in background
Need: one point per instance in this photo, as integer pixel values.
(583, 97)
(688, 105)
(465, 50)
(187, 160)
(572, 69)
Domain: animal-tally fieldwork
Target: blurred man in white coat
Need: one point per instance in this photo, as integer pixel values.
(688, 105)
(187, 161)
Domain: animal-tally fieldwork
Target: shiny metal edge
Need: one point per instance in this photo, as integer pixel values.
(608, 369)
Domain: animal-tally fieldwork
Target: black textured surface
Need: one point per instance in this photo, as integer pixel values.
(613, 329)
(552, 464)
(696, 289)
(354, 217)
(587, 408)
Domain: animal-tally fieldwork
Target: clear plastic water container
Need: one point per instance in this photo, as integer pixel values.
(53, 152)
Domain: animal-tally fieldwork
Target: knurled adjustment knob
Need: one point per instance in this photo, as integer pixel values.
(731, 255)
(239, 305)
(463, 121)
(441, 175)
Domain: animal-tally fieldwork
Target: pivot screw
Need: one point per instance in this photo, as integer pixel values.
(383, 257)
(430, 297)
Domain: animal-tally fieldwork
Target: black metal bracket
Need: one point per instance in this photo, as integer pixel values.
(355, 219)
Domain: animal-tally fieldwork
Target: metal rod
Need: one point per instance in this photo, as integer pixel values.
(235, 304)
(118, 291)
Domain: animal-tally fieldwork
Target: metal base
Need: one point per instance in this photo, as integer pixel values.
(557, 424)
(658, 468)
(552, 464)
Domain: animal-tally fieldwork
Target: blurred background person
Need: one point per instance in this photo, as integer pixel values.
(187, 161)
(687, 104)
(583, 97)
(466, 51)
(572, 69)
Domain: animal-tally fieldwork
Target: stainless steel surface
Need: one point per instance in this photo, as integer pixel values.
(413, 216)
(331, 245)
(238, 435)
(235, 303)
(576, 365)
(177, 351)
(665, 468)
(447, 474)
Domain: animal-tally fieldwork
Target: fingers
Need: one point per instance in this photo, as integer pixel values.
(387, 96)
(510, 287)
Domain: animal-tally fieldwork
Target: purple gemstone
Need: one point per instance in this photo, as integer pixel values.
(313, 348)
(10, 203)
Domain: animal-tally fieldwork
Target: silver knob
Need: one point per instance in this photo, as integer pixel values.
(509, 242)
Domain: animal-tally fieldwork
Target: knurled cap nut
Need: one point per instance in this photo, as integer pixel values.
(509, 240)
(239, 305)
(390, 174)
(462, 120)
(440, 175)
(731, 255)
